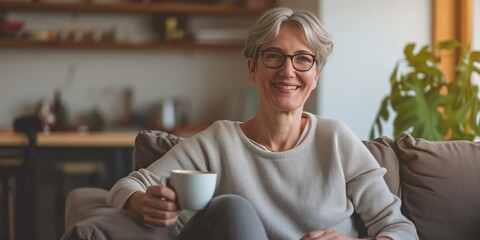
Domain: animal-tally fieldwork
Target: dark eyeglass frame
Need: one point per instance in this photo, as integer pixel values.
(285, 58)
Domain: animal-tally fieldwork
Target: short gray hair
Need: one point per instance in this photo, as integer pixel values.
(267, 27)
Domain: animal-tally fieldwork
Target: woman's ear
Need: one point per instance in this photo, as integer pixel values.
(317, 75)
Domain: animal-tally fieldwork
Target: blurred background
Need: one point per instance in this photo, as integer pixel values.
(120, 85)
(178, 67)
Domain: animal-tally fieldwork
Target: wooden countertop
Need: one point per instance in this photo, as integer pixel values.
(71, 139)
(89, 139)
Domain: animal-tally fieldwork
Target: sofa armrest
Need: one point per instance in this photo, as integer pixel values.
(87, 216)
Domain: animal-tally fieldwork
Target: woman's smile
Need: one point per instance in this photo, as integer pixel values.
(287, 88)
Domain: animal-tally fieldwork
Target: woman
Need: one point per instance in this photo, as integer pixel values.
(293, 175)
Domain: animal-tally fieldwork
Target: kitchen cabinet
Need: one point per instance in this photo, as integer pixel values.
(183, 9)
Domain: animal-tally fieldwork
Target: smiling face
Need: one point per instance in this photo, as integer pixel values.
(284, 89)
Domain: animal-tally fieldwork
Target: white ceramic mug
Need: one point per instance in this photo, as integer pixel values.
(194, 189)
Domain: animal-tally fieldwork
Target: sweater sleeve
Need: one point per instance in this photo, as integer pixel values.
(137, 181)
(372, 200)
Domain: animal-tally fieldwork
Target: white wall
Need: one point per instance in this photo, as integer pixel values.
(369, 37)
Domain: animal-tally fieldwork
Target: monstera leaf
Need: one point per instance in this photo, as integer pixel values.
(425, 104)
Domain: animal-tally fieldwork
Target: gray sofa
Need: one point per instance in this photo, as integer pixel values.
(438, 182)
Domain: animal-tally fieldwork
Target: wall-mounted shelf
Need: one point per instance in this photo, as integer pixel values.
(177, 8)
(22, 43)
(185, 9)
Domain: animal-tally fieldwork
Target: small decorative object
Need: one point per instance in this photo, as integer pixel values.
(95, 120)
(428, 106)
(45, 114)
(39, 35)
(9, 28)
(172, 30)
(59, 110)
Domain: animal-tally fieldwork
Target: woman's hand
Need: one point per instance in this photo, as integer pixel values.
(157, 205)
(331, 234)
(325, 234)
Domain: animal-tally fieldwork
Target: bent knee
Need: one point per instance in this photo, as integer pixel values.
(230, 202)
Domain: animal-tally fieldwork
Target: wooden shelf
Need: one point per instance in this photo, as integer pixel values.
(127, 7)
(173, 8)
(21, 43)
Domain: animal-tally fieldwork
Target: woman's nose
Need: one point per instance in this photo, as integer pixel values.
(287, 68)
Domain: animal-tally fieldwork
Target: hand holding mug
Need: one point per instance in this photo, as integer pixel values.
(159, 206)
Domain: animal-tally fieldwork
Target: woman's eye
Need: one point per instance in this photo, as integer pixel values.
(303, 59)
(274, 56)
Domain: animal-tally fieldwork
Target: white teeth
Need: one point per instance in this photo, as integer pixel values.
(286, 87)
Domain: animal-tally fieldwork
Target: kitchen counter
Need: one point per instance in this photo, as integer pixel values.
(113, 148)
(89, 139)
(71, 139)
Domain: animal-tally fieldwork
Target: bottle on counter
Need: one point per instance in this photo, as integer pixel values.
(45, 114)
(59, 110)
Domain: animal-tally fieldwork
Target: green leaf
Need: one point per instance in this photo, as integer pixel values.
(408, 51)
(393, 76)
(449, 44)
(384, 109)
(475, 56)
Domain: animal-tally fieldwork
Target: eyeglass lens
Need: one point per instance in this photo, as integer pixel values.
(274, 59)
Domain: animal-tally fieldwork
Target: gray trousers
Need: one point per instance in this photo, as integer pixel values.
(227, 217)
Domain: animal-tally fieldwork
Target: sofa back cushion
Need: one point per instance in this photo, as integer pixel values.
(440, 184)
(151, 145)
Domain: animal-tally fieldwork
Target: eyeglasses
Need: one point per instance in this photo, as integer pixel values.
(301, 62)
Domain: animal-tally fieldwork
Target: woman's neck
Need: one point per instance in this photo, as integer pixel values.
(277, 132)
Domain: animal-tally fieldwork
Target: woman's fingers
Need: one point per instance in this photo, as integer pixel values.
(160, 212)
(162, 192)
(159, 206)
(325, 234)
(313, 235)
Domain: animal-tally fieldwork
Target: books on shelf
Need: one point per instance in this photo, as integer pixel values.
(216, 36)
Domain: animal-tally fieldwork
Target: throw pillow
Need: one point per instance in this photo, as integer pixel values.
(151, 145)
(440, 184)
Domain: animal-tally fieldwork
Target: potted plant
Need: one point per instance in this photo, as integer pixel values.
(424, 103)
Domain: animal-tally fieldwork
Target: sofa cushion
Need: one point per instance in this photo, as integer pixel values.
(440, 186)
(383, 149)
(151, 145)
